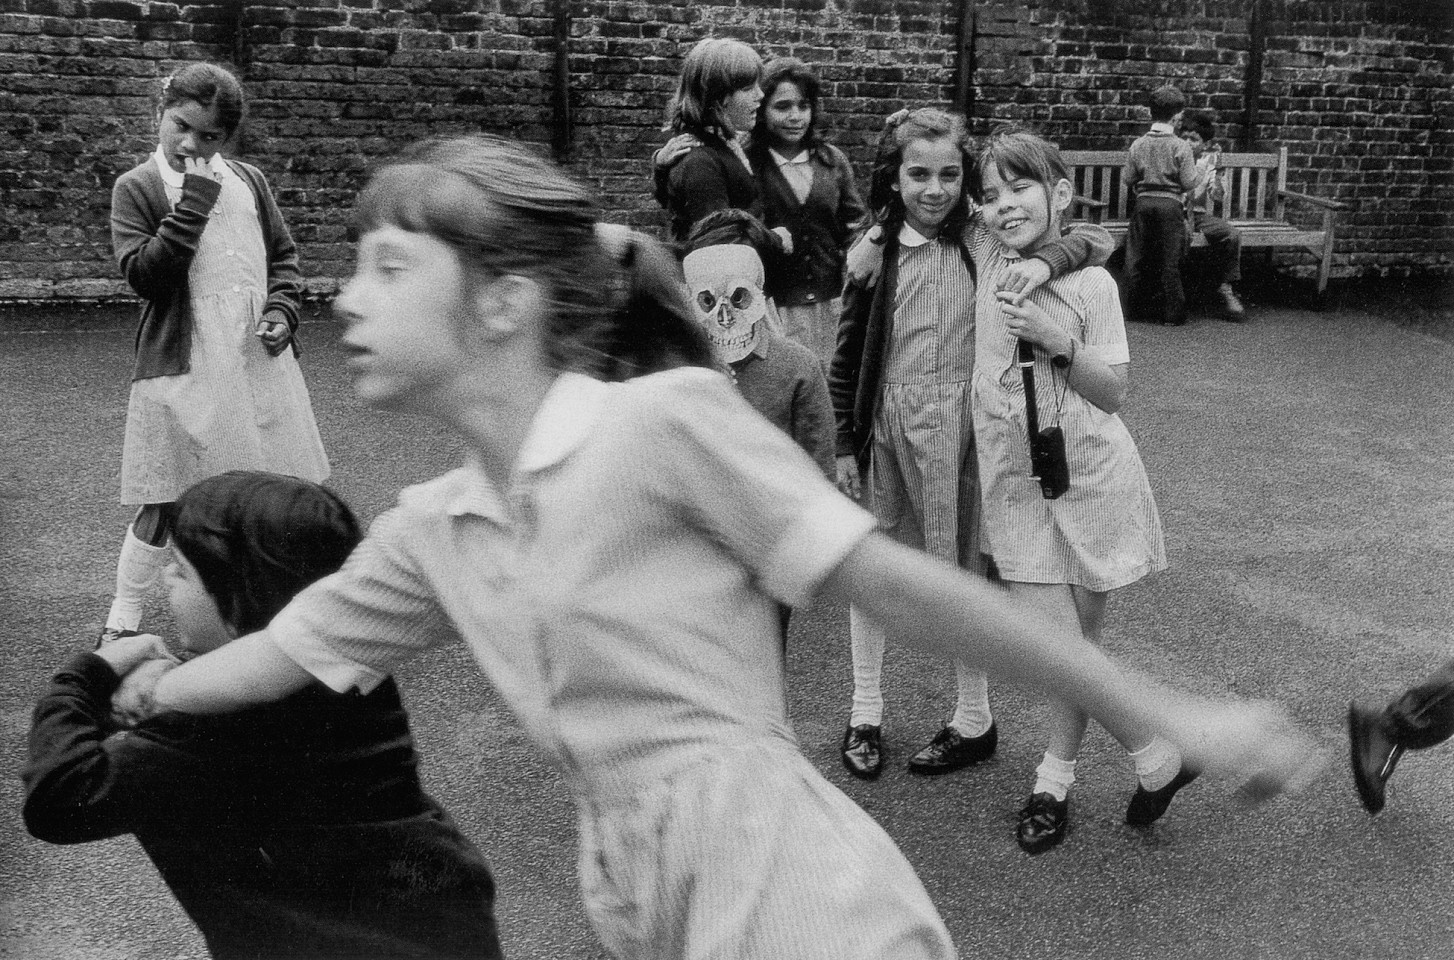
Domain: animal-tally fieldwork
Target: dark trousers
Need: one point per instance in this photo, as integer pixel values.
(1155, 243)
(1424, 716)
(1224, 244)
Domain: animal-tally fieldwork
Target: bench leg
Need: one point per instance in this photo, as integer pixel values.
(1326, 265)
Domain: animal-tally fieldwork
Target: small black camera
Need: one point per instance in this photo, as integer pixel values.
(1047, 462)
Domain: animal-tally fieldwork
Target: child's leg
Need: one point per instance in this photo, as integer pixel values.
(1067, 724)
(1045, 818)
(1133, 296)
(1169, 239)
(143, 555)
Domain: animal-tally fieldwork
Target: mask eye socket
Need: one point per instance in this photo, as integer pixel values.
(707, 300)
(741, 298)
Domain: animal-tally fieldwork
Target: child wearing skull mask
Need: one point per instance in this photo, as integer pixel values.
(730, 255)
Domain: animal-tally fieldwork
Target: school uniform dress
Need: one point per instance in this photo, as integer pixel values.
(297, 829)
(813, 195)
(903, 363)
(621, 595)
(227, 405)
(1104, 532)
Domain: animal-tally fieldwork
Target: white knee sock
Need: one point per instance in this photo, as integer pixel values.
(1157, 763)
(137, 569)
(867, 640)
(972, 712)
(1054, 776)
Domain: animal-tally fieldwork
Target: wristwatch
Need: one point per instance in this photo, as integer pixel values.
(1062, 361)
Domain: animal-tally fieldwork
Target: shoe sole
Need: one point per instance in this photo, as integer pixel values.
(1368, 793)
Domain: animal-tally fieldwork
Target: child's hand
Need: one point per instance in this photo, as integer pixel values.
(866, 257)
(274, 334)
(786, 237)
(125, 653)
(1027, 321)
(133, 701)
(848, 479)
(674, 149)
(1255, 745)
(193, 167)
(1023, 276)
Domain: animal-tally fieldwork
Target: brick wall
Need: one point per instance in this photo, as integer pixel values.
(1360, 91)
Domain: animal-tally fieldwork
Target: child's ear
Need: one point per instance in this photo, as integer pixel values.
(1060, 196)
(506, 304)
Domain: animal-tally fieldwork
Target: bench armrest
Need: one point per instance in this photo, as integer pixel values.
(1091, 202)
(1318, 201)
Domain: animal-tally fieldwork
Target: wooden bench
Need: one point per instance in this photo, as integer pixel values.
(1255, 203)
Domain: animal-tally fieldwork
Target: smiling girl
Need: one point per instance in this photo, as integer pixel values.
(1062, 556)
(900, 386)
(215, 386)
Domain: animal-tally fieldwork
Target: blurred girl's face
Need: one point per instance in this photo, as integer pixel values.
(199, 622)
(189, 130)
(787, 116)
(404, 308)
(1022, 213)
(739, 109)
(931, 181)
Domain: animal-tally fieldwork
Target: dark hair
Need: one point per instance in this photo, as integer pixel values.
(209, 85)
(506, 210)
(655, 328)
(729, 226)
(1199, 122)
(791, 70)
(713, 70)
(1017, 153)
(885, 205)
(1166, 102)
(256, 539)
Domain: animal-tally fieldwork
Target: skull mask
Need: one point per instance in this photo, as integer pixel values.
(726, 286)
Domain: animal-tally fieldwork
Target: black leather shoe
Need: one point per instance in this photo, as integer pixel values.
(862, 752)
(1044, 821)
(1372, 753)
(1147, 806)
(950, 750)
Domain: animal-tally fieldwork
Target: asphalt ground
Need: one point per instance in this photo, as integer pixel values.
(1304, 467)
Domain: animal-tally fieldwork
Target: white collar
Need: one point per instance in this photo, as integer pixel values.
(560, 425)
(782, 161)
(174, 179)
(1163, 126)
(909, 237)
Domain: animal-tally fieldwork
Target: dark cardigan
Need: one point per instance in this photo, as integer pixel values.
(856, 371)
(821, 226)
(294, 830)
(154, 245)
(708, 179)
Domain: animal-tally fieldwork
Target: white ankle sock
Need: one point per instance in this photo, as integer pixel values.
(1054, 776)
(137, 570)
(867, 641)
(972, 711)
(1157, 763)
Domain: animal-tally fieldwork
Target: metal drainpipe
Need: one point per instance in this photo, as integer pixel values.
(564, 138)
(964, 59)
(1252, 87)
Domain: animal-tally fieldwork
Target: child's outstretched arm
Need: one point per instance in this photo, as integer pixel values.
(244, 673)
(951, 614)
